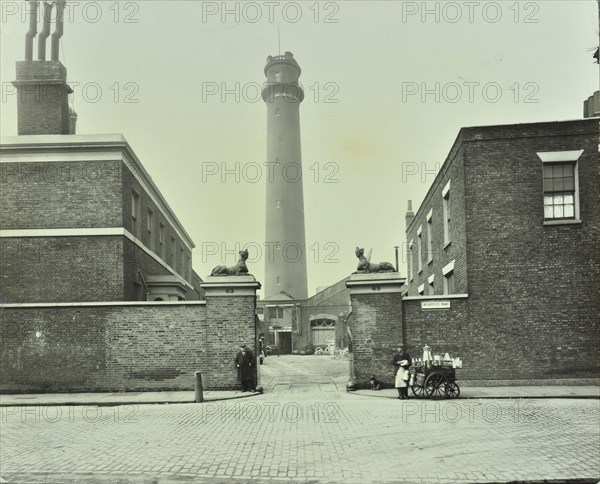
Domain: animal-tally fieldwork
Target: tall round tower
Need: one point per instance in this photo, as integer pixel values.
(285, 255)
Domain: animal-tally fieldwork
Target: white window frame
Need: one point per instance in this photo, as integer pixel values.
(149, 226)
(430, 283)
(448, 271)
(421, 290)
(562, 157)
(135, 211)
(446, 213)
(173, 253)
(411, 268)
(161, 239)
(419, 250)
(430, 237)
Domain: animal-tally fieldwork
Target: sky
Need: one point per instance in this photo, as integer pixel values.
(388, 85)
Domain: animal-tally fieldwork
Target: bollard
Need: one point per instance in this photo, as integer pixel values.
(199, 389)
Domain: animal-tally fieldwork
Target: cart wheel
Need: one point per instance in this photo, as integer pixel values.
(435, 385)
(452, 390)
(418, 392)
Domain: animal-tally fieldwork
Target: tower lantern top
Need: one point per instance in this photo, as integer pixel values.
(287, 58)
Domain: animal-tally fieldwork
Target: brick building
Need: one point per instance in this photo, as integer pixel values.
(83, 221)
(503, 256)
(97, 290)
(294, 325)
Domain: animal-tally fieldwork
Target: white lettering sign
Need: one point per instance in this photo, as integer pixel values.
(435, 305)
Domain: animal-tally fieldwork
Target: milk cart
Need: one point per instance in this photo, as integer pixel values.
(433, 380)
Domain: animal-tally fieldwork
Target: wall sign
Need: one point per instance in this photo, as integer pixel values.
(435, 305)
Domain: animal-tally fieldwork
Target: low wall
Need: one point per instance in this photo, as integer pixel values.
(123, 346)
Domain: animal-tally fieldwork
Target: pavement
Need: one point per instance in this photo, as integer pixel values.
(118, 398)
(285, 374)
(149, 398)
(307, 428)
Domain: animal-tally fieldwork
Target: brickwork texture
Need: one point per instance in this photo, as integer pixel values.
(124, 348)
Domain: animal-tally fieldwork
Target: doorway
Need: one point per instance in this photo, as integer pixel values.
(285, 342)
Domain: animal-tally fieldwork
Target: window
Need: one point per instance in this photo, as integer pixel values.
(172, 252)
(421, 290)
(559, 190)
(149, 225)
(277, 76)
(280, 313)
(449, 283)
(139, 293)
(419, 251)
(429, 238)
(446, 213)
(188, 267)
(272, 313)
(161, 239)
(448, 272)
(430, 284)
(181, 260)
(410, 261)
(135, 211)
(561, 186)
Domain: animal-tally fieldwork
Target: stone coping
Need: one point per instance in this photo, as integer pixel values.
(377, 276)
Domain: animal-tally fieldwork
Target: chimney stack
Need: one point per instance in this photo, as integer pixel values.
(591, 106)
(42, 89)
(410, 215)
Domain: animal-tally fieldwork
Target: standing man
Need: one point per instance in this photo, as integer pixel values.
(244, 361)
(261, 349)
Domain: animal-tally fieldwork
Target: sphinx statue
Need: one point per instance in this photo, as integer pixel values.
(240, 269)
(366, 267)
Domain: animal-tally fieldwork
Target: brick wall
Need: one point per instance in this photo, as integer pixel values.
(61, 269)
(533, 288)
(495, 349)
(441, 254)
(54, 195)
(43, 98)
(123, 348)
(228, 330)
(450, 331)
(376, 325)
(533, 307)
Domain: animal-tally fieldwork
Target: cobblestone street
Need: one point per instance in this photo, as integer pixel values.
(304, 429)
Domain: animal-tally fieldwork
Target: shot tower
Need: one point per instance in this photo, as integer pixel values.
(285, 254)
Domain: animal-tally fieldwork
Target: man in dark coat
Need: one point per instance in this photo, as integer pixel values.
(244, 361)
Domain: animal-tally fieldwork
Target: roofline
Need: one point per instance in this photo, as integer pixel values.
(16, 144)
(460, 139)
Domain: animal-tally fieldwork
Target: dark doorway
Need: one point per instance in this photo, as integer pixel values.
(285, 343)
